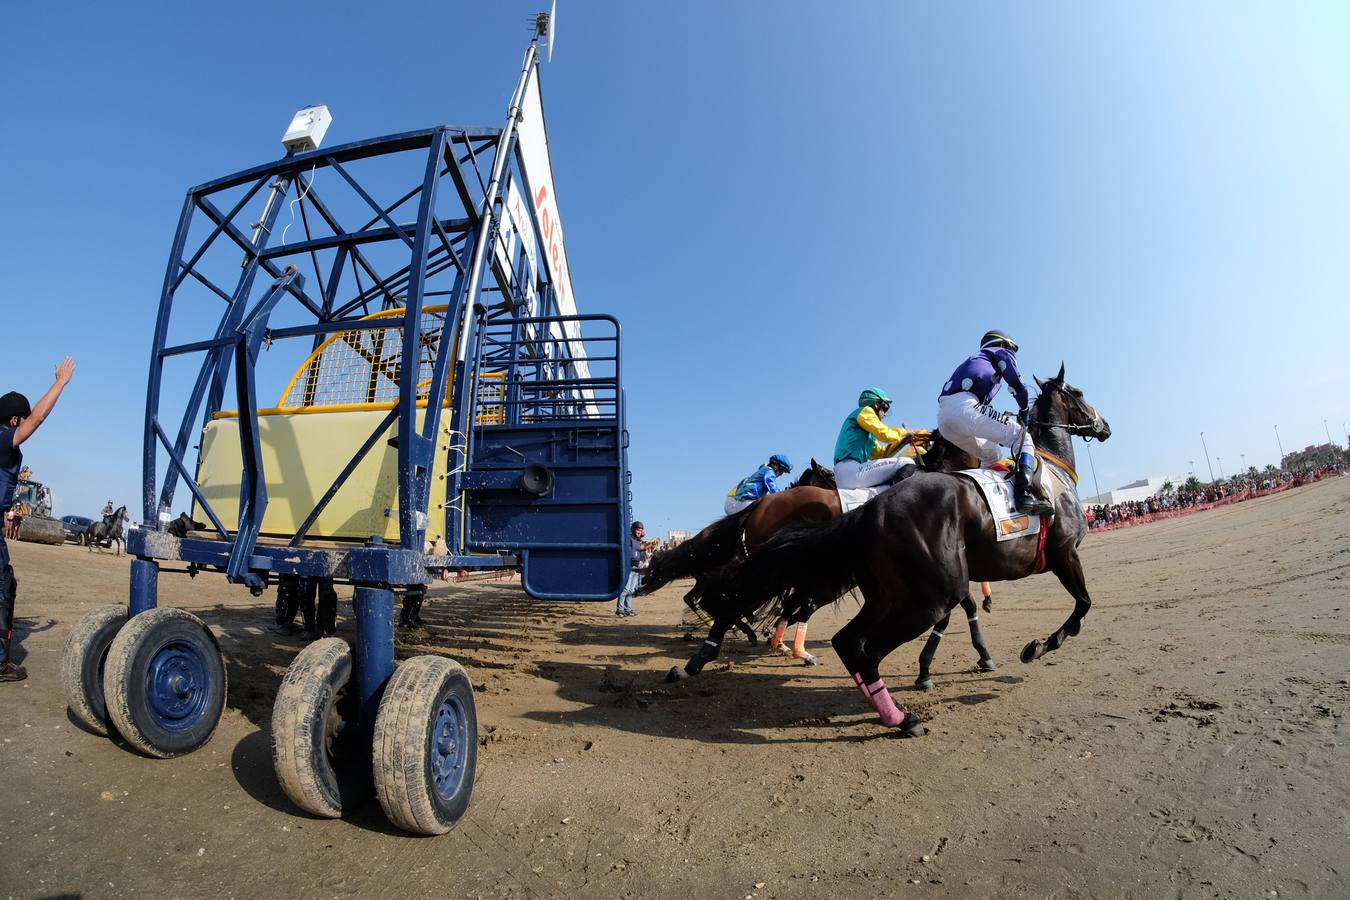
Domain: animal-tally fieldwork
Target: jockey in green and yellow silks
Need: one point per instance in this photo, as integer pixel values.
(865, 455)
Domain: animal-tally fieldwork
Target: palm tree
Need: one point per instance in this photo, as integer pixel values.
(1167, 487)
(1193, 485)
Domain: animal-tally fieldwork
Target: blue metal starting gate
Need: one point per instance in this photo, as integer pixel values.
(460, 413)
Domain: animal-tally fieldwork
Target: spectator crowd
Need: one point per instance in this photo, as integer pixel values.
(1194, 496)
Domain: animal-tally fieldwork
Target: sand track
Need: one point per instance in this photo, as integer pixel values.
(1190, 743)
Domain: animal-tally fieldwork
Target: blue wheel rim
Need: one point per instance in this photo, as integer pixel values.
(450, 748)
(178, 686)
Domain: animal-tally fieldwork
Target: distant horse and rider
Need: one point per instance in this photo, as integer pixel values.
(110, 529)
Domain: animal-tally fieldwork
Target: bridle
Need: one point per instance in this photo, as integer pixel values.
(1086, 432)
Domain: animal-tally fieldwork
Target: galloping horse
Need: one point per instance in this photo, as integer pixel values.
(110, 529)
(913, 551)
(811, 499)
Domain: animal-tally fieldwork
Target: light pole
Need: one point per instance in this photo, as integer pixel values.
(1280, 444)
(1207, 462)
(1244, 462)
(1192, 468)
(1328, 430)
(1096, 487)
(1219, 460)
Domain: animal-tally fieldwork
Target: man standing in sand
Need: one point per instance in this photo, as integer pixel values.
(18, 421)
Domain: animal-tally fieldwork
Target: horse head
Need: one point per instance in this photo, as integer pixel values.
(1061, 405)
(816, 475)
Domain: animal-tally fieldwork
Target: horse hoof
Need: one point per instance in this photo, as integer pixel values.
(809, 660)
(988, 604)
(912, 727)
(676, 673)
(988, 665)
(1033, 651)
(784, 649)
(924, 684)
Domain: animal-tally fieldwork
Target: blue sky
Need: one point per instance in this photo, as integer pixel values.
(783, 203)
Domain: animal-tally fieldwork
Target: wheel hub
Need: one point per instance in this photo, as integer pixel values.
(177, 686)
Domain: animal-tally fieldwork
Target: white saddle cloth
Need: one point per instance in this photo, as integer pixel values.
(997, 490)
(852, 498)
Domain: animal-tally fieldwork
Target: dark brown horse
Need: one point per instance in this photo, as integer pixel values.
(810, 499)
(913, 551)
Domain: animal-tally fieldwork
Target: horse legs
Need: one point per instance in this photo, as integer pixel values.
(707, 651)
(986, 664)
(798, 649)
(743, 625)
(924, 682)
(988, 596)
(1070, 574)
(901, 625)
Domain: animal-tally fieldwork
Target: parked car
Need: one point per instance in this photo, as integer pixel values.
(74, 527)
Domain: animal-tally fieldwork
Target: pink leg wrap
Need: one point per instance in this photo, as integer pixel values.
(884, 703)
(857, 679)
(779, 629)
(799, 641)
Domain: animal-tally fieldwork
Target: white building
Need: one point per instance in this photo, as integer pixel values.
(1135, 490)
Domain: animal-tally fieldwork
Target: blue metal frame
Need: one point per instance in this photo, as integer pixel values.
(546, 403)
(570, 543)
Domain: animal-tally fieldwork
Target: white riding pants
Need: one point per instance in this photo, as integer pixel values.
(978, 430)
(733, 505)
(851, 474)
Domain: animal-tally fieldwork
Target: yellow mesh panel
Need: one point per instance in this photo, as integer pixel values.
(360, 368)
(491, 399)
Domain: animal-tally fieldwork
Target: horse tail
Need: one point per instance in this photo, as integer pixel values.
(807, 565)
(710, 549)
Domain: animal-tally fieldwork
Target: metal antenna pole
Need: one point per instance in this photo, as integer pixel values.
(1095, 486)
(1279, 444)
(1328, 430)
(1207, 462)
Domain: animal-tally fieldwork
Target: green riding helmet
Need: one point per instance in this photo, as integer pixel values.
(998, 339)
(873, 396)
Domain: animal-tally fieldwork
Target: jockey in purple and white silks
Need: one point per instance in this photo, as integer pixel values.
(967, 420)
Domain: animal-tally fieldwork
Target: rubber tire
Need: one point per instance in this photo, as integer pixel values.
(82, 664)
(306, 701)
(404, 730)
(127, 669)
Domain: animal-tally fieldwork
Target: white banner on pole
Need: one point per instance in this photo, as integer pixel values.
(533, 141)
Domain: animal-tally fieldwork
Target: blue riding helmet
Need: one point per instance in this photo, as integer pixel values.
(782, 460)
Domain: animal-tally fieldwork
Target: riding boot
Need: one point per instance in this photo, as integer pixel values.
(1026, 501)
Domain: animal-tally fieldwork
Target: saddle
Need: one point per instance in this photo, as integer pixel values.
(995, 485)
(852, 498)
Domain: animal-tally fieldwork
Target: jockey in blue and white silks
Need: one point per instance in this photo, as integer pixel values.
(865, 453)
(967, 420)
(760, 483)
